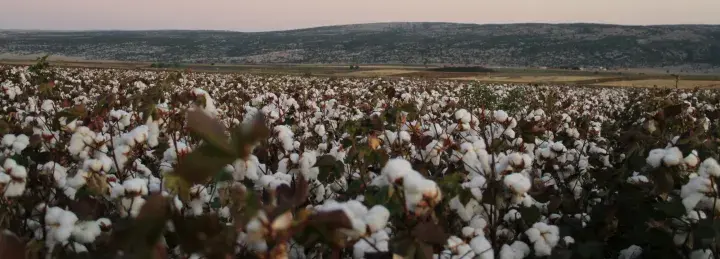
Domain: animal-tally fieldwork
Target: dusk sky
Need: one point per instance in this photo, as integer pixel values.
(262, 15)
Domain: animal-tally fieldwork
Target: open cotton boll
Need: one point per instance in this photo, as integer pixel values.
(517, 183)
(377, 218)
(320, 130)
(673, 156)
(544, 238)
(702, 254)
(632, 252)
(8, 140)
(86, 232)
(135, 186)
(655, 157)
(517, 250)
(500, 116)
(709, 167)
(692, 159)
(396, 169)
(482, 247)
(131, 206)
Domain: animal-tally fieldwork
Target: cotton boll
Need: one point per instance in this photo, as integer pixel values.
(396, 169)
(86, 232)
(631, 252)
(500, 116)
(702, 254)
(8, 140)
(377, 218)
(673, 157)
(709, 167)
(481, 246)
(655, 157)
(518, 183)
(692, 159)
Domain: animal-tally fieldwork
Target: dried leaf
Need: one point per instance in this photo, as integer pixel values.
(11, 247)
(209, 129)
(430, 233)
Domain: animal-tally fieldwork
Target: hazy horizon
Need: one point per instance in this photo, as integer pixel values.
(270, 15)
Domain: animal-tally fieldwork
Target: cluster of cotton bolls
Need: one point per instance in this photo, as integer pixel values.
(420, 193)
(13, 144)
(480, 167)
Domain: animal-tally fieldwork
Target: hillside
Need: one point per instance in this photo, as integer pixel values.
(396, 43)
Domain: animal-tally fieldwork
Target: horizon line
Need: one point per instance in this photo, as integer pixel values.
(370, 23)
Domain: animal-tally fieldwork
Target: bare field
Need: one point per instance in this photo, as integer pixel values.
(519, 76)
(664, 83)
(528, 79)
(378, 72)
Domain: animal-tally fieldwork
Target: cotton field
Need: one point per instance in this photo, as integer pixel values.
(102, 163)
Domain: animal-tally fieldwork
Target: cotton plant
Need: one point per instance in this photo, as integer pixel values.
(496, 159)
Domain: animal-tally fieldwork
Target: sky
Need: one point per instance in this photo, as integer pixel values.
(266, 15)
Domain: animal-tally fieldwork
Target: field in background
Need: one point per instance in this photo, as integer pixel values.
(629, 78)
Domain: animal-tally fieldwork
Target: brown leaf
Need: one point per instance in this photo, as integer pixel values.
(330, 219)
(373, 142)
(203, 163)
(210, 129)
(156, 206)
(430, 233)
(11, 247)
(98, 184)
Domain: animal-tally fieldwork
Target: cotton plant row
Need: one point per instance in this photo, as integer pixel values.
(522, 169)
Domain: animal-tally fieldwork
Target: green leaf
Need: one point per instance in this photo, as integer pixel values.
(592, 249)
(404, 247)
(215, 203)
(530, 214)
(223, 176)
(330, 169)
(674, 208)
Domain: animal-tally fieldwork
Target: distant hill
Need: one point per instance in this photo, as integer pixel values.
(396, 43)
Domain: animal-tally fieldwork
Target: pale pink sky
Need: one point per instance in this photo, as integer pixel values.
(258, 15)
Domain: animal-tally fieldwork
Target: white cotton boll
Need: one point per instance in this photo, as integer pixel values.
(655, 157)
(544, 237)
(569, 240)
(79, 248)
(14, 189)
(320, 130)
(9, 164)
(396, 169)
(500, 116)
(518, 183)
(482, 247)
(137, 186)
(8, 140)
(631, 252)
(692, 159)
(4, 178)
(468, 232)
(377, 218)
(512, 215)
(18, 172)
(506, 252)
(673, 157)
(405, 136)
(709, 167)
(47, 106)
(702, 254)
(116, 190)
(131, 205)
(86, 232)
